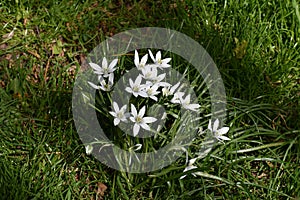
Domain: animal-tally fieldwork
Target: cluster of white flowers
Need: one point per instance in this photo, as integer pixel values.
(103, 72)
(146, 85)
(217, 133)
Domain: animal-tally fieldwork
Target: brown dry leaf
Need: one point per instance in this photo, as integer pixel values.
(68, 26)
(173, 5)
(270, 164)
(3, 46)
(8, 57)
(34, 53)
(83, 63)
(25, 21)
(101, 189)
(9, 35)
(262, 175)
(2, 84)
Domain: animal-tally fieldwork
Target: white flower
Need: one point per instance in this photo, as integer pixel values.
(136, 88)
(218, 133)
(105, 70)
(103, 85)
(168, 90)
(88, 149)
(119, 114)
(190, 167)
(150, 73)
(187, 105)
(158, 81)
(138, 64)
(151, 91)
(177, 97)
(158, 61)
(140, 120)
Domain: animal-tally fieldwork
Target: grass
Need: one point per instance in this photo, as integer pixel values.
(255, 46)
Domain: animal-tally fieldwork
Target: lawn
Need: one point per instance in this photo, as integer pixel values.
(255, 45)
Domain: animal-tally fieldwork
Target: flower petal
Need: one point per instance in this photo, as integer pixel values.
(174, 87)
(144, 59)
(190, 167)
(149, 119)
(166, 60)
(222, 137)
(113, 113)
(123, 108)
(164, 65)
(145, 126)
(209, 126)
(154, 98)
(104, 63)
(142, 94)
(132, 119)
(188, 98)
(136, 59)
(223, 130)
(113, 63)
(216, 125)
(158, 56)
(128, 89)
(111, 78)
(116, 107)
(151, 55)
(192, 161)
(142, 111)
(138, 80)
(136, 129)
(193, 107)
(94, 86)
(88, 149)
(133, 111)
(116, 121)
(161, 77)
(95, 66)
(131, 83)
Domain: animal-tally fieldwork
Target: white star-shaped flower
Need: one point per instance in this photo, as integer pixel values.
(218, 133)
(103, 85)
(119, 114)
(149, 72)
(138, 64)
(170, 90)
(177, 97)
(189, 167)
(104, 70)
(186, 103)
(161, 63)
(88, 149)
(136, 88)
(151, 91)
(140, 120)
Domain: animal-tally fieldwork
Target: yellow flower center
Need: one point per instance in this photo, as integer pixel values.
(138, 119)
